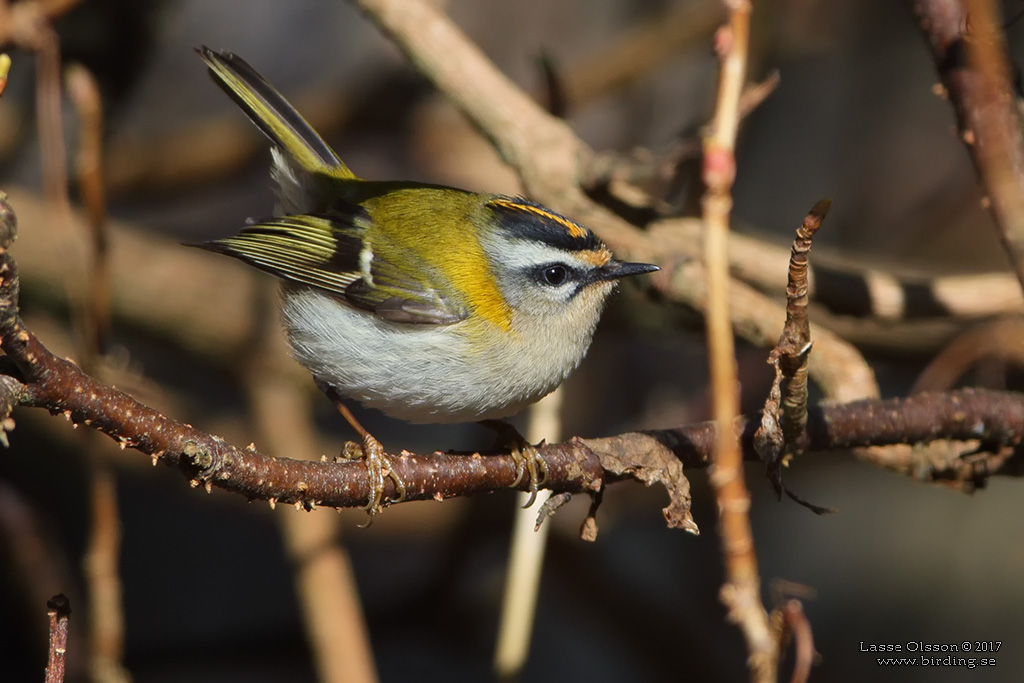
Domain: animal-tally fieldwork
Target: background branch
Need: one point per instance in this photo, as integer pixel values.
(967, 45)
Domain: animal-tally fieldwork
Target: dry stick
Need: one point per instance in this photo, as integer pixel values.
(796, 622)
(790, 355)
(58, 609)
(658, 173)
(741, 592)
(1003, 339)
(761, 263)
(43, 380)
(102, 558)
(970, 54)
(640, 50)
(543, 149)
(550, 159)
(782, 434)
(1000, 157)
(995, 419)
(84, 93)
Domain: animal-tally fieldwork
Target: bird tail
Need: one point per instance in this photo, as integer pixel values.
(273, 114)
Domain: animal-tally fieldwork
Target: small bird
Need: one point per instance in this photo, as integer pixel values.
(429, 303)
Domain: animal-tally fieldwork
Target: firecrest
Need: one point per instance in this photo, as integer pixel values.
(429, 303)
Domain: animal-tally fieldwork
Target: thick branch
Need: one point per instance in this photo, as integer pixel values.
(970, 55)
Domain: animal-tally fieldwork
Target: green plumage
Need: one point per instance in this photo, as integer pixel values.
(408, 252)
(430, 303)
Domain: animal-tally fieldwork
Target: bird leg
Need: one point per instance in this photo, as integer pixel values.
(378, 465)
(524, 455)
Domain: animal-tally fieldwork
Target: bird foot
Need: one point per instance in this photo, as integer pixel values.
(378, 470)
(526, 457)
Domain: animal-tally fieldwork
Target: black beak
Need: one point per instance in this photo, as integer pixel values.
(613, 270)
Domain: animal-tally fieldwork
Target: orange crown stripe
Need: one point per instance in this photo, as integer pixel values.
(574, 229)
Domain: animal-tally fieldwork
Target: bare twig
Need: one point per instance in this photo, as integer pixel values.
(741, 592)
(101, 563)
(458, 68)
(970, 53)
(784, 419)
(791, 352)
(640, 50)
(58, 609)
(1003, 339)
(85, 95)
(796, 622)
(575, 466)
(901, 304)
(102, 558)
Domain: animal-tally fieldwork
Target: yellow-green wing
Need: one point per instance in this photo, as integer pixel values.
(327, 252)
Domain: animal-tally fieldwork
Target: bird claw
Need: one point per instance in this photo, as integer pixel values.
(529, 463)
(525, 456)
(378, 471)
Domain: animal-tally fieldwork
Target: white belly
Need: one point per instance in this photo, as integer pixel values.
(427, 373)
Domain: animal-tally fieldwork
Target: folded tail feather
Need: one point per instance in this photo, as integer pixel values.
(273, 114)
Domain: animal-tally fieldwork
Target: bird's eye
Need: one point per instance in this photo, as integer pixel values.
(556, 275)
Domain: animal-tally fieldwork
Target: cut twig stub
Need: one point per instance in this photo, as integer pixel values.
(783, 430)
(58, 609)
(550, 506)
(645, 459)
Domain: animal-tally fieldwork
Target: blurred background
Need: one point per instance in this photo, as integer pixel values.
(209, 581)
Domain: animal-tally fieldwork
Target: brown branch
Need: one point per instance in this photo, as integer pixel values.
(84, 93)
(102, 558)
(967, 45)
(540, 146)
(61, 387)
(58, 609)
(794, 345)
(741, 592)
(797, 623)
(782, 434)
(575, 466)
(888, 315)
(42, 380)
(1003, 339)
(640, 50)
